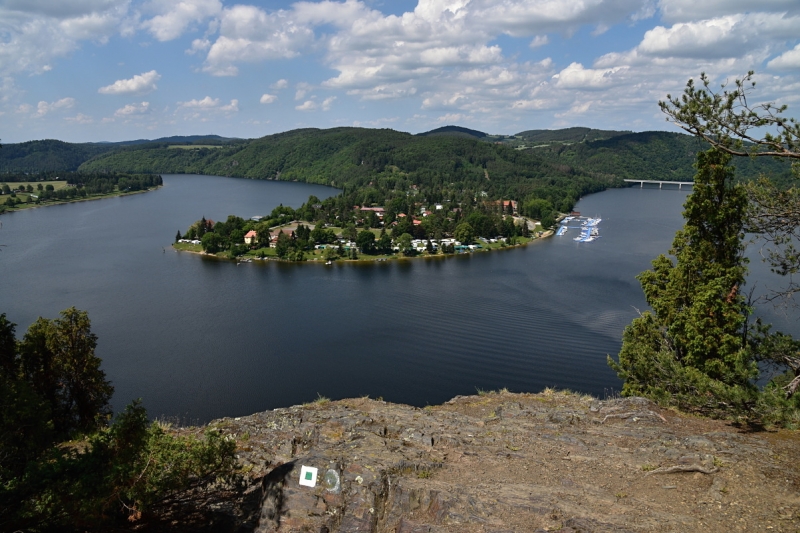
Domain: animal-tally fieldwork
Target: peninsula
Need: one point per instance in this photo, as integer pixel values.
(23, 191)
(363, 232)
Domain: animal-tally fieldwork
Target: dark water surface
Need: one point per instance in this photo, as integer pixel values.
(199, 338)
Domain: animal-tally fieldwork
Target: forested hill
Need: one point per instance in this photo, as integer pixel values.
(48, 155)
(569, 135)
(556, 165)
(51, 155)
(652, 155)
(362, 158)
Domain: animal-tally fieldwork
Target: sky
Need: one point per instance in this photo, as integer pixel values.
(113, 70)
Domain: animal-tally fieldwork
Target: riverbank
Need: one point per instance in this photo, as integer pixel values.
(21, 207)
(317, 256)
(500, 461)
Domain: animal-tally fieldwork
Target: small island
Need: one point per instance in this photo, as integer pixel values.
(328, 231)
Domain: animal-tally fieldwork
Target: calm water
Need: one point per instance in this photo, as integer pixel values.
(199, 338)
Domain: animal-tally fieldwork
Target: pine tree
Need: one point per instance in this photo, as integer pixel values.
(692, 349)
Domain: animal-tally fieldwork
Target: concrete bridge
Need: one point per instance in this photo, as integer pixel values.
(660, 183)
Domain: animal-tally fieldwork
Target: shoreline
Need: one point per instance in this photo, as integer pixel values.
(248, 259)
(24, 207)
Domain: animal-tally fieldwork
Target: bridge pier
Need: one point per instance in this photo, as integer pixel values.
(661, 183)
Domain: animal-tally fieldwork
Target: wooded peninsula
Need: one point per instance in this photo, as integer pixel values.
(448, 190)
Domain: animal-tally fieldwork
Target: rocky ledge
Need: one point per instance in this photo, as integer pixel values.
(503, 462)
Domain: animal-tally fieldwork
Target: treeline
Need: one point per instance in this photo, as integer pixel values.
(380, 164)
(653, 155)
(48, 156)
(64, 466)
(81, 185)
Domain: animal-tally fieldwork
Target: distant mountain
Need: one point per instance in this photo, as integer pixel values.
(456, 131)
(52, 155)
(568, 135)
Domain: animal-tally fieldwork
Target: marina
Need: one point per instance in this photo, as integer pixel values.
(589, 228)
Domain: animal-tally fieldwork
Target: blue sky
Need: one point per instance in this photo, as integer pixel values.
(111, 70)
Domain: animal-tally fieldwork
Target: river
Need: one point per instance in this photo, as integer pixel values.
(198, 338)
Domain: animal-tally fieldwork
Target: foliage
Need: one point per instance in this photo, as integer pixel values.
(51, 389)
(692, 349)
(48, 155)
(57, 358)
(120, 472)
(464, 233)
(730, 121)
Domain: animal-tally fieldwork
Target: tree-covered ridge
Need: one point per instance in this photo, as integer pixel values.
(379, 163)
(47, 155)
(572, 135)
(457, 131)
(653, 155)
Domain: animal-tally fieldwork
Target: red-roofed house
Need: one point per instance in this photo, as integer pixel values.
(250, 237)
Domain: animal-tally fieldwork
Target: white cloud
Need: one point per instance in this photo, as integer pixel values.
(176, 16)
(199, 45)
(80, 118)
(62, 10)
(205, 103)
(302, 90)
(454, 118)
(539, 40)
(34, 33)
(690, 10)
(576, 76)
(233, 107)
(249, 34)
(280, 84)
(140, 84)
(133, 109)
(43, 108)
(521, 18)
(728, 36)
(787, 61)
(268, 98)
(209, 104)
(326, 104)
(308, 105)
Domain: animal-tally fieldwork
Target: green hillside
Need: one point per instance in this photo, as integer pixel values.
(571, 135)
(542, 169)
(652, 155)
(357, 157)
(456, 131)
(47, 155)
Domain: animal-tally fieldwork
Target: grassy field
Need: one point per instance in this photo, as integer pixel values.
(60, 184)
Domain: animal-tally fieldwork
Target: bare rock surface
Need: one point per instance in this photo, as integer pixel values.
(503, 462)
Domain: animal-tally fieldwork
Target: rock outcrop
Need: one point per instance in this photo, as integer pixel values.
(503, 462)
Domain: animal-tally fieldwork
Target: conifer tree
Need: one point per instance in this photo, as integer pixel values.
(692, 349)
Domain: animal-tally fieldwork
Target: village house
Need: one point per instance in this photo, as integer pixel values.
(251, 237)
